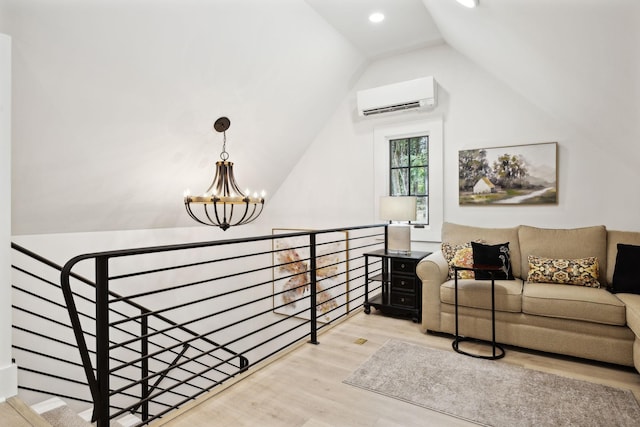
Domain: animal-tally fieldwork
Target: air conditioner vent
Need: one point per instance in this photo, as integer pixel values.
(389, 109)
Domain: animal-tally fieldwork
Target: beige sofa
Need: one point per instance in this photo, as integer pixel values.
(580, 321)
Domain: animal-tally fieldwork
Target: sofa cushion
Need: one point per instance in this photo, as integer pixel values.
(632, 303)
(573, 302)
(477, 294)
(492, 255)
(626, 275)
(581, 272)
(613, 238)
(564, 243)
(456, 233)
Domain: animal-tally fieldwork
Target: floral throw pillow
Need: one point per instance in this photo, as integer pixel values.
(582, 271)
(460, 255)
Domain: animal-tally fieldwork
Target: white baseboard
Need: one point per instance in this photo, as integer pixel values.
(8, 381)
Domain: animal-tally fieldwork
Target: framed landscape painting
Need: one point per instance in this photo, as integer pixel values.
(513, 175)
(291, 278)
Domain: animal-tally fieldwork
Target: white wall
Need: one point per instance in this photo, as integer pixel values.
(333, 182)
(581, 66)
(61, 247)
(8, 381)
(114, 103)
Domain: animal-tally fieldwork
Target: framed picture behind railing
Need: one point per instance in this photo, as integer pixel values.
(291, 274)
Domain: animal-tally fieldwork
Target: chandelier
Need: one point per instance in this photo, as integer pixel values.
(223, 204)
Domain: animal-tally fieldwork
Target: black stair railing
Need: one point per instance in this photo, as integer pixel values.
(40, 342)
(159, 326)
(144, 325)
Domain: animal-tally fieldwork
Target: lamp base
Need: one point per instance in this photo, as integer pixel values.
(399, 238)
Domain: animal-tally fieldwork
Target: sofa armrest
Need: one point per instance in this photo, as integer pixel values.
(432, 271)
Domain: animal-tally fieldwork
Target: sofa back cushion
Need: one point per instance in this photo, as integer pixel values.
(458, 234)
(566, 244)
(613, 238)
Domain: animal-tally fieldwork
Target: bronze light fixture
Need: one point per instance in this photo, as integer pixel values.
(223, 204)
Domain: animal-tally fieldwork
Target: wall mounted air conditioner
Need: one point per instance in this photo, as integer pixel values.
(409, 95)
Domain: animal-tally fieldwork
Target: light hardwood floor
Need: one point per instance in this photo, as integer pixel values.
(304, 388)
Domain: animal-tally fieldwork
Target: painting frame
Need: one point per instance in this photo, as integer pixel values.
(513, 175)
(290, 296)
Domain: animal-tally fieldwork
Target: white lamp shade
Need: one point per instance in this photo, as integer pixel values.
(398, 208)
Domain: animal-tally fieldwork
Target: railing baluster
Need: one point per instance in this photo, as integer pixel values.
(101, 410)
(144, 350)
(314, 291)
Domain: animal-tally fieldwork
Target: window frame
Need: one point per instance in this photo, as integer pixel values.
(410, 167)
(433, 128)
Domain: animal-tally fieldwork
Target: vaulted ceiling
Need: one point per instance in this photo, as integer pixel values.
(113, 101)
(407, 24)
(577, 60)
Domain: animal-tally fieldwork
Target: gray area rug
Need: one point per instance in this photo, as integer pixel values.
(491, 393)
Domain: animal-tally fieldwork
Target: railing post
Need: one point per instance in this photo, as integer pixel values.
(101, 408)
(144, 353)
(312, 287)
(386, 238)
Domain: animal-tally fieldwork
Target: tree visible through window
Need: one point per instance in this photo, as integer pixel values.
(409, 172)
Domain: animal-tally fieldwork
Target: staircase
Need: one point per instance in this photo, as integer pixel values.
(56, 412)
(173, 362)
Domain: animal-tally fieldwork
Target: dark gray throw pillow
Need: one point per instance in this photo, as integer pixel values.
(492, 255)
(626, 275)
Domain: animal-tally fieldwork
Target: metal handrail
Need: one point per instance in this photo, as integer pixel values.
(55, 266)
(98, 376)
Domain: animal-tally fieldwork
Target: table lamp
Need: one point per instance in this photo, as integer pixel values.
(400, 209)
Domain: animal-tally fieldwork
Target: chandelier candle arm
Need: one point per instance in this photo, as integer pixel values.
(221, 204)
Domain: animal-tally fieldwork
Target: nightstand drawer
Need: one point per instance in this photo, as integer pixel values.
(402, 266)
(403, 283)
(403, 300)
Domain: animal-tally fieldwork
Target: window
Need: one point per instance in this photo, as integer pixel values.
(412, 165)
(409, 172)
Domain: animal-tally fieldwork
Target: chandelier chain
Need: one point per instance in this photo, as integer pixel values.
(224, 155)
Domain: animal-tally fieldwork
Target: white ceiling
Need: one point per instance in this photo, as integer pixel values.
(407, 25)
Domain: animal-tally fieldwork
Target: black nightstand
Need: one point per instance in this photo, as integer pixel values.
(401, 288)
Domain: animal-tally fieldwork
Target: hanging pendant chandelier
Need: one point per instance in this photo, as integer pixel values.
(223, 204)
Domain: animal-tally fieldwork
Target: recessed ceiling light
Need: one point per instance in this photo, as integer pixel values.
(468, 3)
(376, 17)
